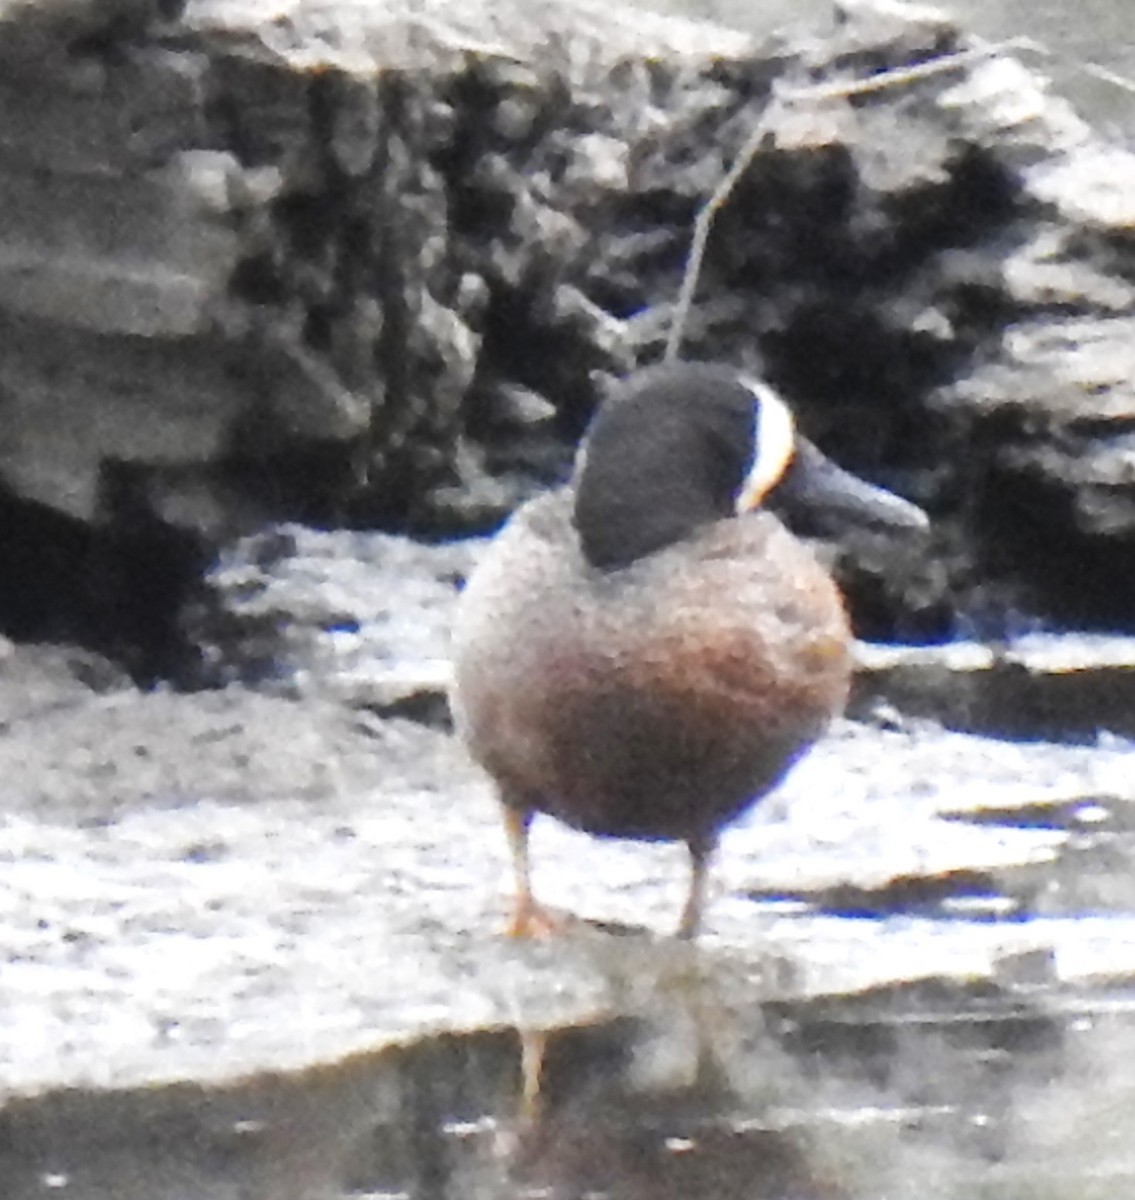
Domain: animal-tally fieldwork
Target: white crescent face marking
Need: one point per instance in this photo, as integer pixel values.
(775, 441)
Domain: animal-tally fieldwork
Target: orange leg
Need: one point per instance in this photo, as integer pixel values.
(529, 919)
(701, 850)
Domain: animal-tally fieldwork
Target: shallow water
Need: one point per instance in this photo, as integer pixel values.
(931, 1091)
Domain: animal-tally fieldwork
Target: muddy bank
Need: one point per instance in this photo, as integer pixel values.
(202, 886)
(302, 862)
(252, 942)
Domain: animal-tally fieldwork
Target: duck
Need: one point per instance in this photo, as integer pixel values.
(645, 651)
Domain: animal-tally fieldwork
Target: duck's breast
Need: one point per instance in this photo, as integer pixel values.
(655, 700)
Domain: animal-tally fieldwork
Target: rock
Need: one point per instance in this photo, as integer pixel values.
(1065, 688)
(358, 618)
(37, 680)
(214, 885)
(54, 27)
(334, 235)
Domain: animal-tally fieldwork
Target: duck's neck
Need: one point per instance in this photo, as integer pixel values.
(653, 472)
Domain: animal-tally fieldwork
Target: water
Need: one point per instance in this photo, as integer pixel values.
(932, 1091)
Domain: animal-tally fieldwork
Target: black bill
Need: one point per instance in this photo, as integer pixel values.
(816, 496)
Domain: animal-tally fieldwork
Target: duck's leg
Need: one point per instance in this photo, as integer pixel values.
(701, 849)
(528, 918)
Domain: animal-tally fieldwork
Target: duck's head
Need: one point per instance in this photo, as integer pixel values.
(681, 446)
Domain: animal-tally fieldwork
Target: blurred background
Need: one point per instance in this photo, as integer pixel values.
(1084, 40)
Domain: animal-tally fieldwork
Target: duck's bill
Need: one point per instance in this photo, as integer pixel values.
(817, 494)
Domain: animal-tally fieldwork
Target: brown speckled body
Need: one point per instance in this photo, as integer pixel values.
(654, 701)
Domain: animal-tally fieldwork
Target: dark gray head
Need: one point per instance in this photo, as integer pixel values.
(681, 446)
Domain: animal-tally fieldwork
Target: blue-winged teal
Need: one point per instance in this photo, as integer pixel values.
(645, 652)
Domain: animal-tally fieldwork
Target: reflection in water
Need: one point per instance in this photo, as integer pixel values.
(930, 1090)
(647, 1124)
